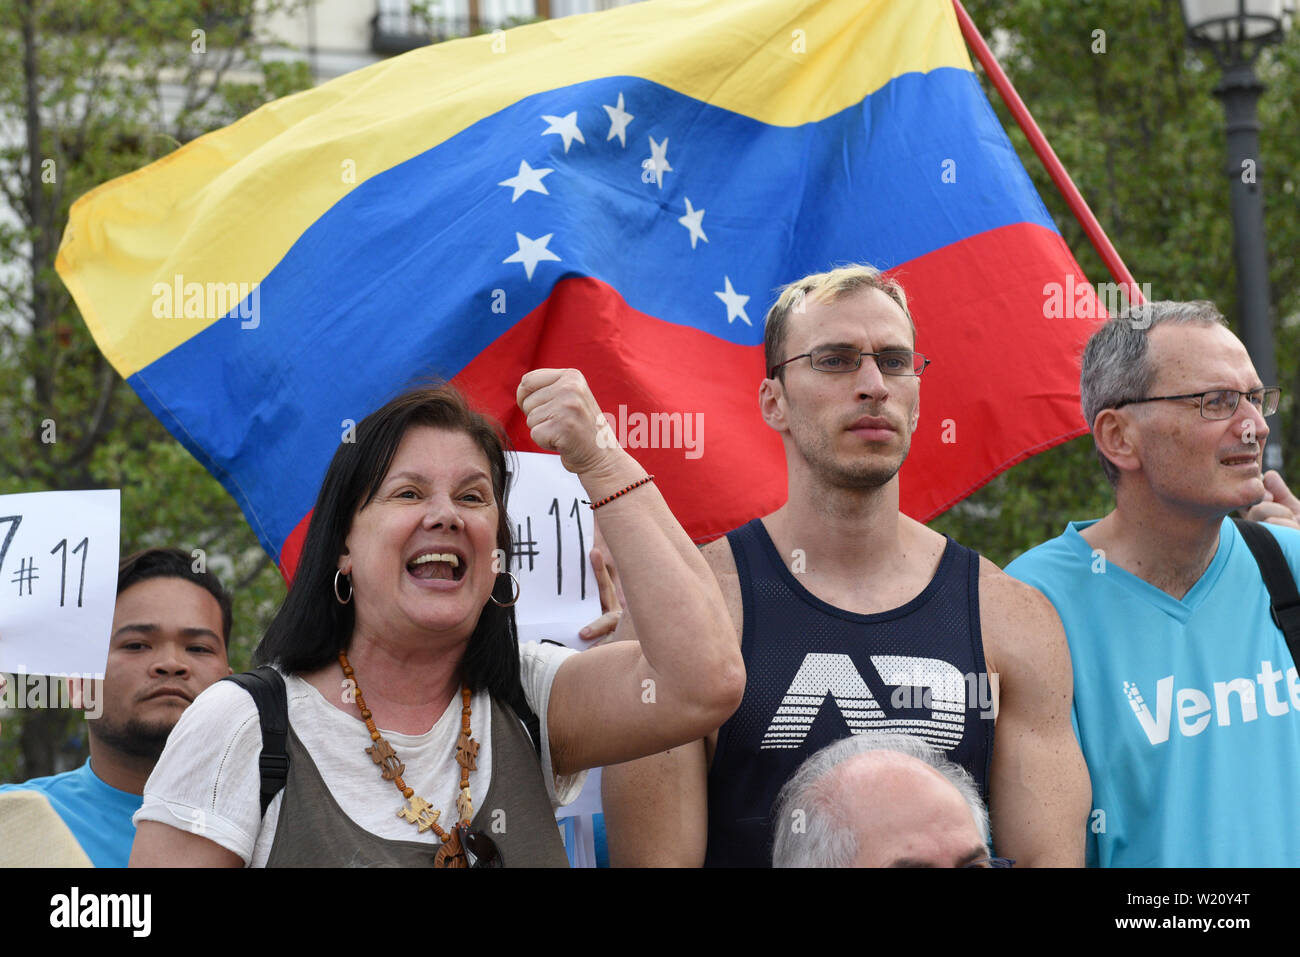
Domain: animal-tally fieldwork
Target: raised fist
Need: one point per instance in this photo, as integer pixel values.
(563, 417)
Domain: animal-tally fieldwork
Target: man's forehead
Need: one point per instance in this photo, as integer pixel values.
(863, 313)
(1200, 355)
(167, 600)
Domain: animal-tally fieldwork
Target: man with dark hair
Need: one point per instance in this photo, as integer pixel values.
(854, 618)
(171, 631)
(1186, 697)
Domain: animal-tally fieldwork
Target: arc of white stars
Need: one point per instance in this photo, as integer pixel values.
(693, 221)
(658, 160)
(533, 251)
(618, 121)
(734, 302)
(527, 180)
(566, 127)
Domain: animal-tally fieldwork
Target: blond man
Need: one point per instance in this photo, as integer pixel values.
(854, 618)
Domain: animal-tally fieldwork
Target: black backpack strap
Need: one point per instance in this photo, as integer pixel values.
(266, 685)
(1285, 599)
(532, 723)
(528, 718)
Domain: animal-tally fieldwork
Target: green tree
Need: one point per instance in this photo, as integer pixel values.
(95, 90)
(1134, 120)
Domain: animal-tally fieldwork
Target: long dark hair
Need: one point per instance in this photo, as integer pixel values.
(311, 627)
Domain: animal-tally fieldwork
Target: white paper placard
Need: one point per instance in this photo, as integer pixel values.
(58, 580)
(553, 536)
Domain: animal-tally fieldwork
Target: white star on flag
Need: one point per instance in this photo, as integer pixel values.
(658, 160)
(692, 221)
(566, 127)
(734, 302)
(527, 180)
(618, 121)
(533, 251)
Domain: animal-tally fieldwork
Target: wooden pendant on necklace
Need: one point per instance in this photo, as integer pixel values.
(466, 752)
(384, 756)
(420, 813)
(451, 854)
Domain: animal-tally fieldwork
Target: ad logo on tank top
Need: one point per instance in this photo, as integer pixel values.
(1195, 707)
(943, 695)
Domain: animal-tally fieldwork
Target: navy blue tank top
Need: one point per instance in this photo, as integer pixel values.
(817, 673)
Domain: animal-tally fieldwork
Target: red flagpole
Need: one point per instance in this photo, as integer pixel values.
(1078, 205)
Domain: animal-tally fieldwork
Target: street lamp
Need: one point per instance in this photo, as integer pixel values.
(1236, 31)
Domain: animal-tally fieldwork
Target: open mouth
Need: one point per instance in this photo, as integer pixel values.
(441, 566)
(1240, 460)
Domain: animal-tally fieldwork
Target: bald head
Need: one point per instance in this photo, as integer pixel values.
(880, 801)
(904, 813)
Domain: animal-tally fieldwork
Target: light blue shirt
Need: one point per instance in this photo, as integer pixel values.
(1188, 712)
(99, 816)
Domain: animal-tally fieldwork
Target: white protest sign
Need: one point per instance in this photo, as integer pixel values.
(553, 536)
(58, 581)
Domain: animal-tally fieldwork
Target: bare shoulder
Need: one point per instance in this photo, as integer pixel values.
(723, 565)
(922, 539)
(1016, 619)
(718, 554)
(1000, 592)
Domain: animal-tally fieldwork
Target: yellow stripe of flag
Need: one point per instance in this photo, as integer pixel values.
(228, 206)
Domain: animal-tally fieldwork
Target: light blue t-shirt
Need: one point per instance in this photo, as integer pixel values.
(1188, 712)
(98, 816)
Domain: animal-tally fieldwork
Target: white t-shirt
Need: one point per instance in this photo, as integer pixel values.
(207, 780)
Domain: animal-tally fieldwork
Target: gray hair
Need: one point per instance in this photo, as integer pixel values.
(1117, 363)
(809, 796)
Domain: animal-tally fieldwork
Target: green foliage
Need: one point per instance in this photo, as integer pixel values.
(95, 90)
(1142, 136)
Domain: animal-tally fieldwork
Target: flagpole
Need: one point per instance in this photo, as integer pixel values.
(1078, 205)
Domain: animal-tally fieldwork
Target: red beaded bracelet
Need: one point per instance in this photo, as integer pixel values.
(610, 498)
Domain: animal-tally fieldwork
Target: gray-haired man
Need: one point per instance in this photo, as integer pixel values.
(1186, 700)
(875, 800)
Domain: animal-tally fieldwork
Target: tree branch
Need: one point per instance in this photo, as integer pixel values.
(212, 536)
(101, 419)
(97, 74)
(252, 576)
(15, 202)
(223, 65)
(40, 253)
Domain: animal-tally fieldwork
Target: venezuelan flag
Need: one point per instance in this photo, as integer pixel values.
(620, 192)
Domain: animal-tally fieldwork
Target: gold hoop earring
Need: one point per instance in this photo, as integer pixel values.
(341, 599)
(510, 603)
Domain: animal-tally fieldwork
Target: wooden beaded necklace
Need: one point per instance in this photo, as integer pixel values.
(417, 810)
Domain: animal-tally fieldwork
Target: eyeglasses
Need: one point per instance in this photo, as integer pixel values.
(835, 359)
(992, 862)
(1221, 403)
